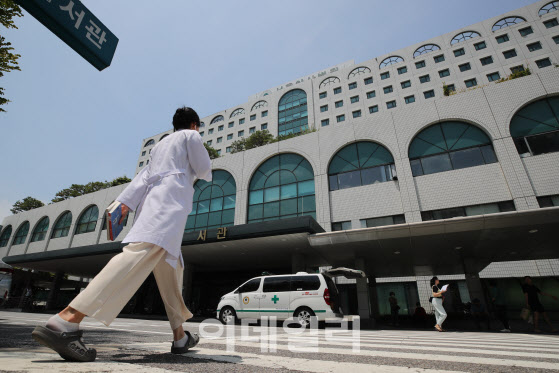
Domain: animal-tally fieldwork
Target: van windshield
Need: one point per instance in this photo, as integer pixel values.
(250, 286)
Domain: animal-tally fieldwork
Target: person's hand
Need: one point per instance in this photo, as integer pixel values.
(124, 210)
(443, 291)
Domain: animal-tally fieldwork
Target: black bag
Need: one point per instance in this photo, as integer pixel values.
(430, 299)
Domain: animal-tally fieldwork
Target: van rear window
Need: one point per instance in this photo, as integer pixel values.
(299, 283)
(276, 284)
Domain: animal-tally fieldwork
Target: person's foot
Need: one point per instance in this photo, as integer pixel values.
(505, 330)
(438, 328)
(184, 344)
(69, 345)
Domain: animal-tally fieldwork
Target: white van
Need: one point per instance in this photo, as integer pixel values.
(301, 296)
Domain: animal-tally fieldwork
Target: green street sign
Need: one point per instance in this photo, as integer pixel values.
(72, 22)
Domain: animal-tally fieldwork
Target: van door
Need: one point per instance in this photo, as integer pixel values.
(249, 295)
(276, 297)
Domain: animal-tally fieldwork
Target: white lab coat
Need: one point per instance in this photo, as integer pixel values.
(161, 194)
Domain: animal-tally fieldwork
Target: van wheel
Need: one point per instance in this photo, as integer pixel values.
(227, 315)
(303, 316)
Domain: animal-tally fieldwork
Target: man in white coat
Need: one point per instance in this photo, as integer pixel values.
(161, 195)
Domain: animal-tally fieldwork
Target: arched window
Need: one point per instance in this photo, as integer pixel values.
(88, 220)
(162, 137)
(549, 7)
(463, 36)
(360, 163)
(535, 127)
(359, 71)
(330, 80)
(21, 234)
(506, 22)
(214, 203)
(390, 61)
(292, 113)
(5, 236)
(427, 48)
(219, 118)
(149, 143)
(236, 112)
(259, 104)
(282, 187)
(62, 226)
(202, 124)
(40, 230)
(449, 146)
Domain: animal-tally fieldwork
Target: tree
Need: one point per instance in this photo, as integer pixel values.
(211, 152)
(120, 180)
(76, 190)
(238, 145)
(28, 203)
(259, 138)
(8, 60)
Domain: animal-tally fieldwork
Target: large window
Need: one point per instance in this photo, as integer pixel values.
(330, 80)
(40, 230)
(259, 104)
(239, 111)
(390, 61)
(467, 35)
(449, 146)
(292, 113)
(549, 201)
(506, 22)
(358, 71)
(88, 220)
(214, 203)
(360, 163)
(549, 7)
(282, 187)
(455, 212)
(535, 128)
(382, 221)
(219, 118)
(62, 226)
(5, 236)
(427, 48)
(21, 234)
(149, 143)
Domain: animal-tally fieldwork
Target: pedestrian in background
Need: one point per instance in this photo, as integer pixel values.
(437, 302)
(533, 302)
(479, 313)
(394, 308)
(499, 306)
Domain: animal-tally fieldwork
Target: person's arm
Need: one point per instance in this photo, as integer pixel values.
(526, 297)
(198, 157)
(132, 195)
(549, 295)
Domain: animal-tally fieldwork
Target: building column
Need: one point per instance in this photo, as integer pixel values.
(363, 296)
(54, 290)
(373, 296)
(473, 282)
(187, 284)
(298, 263)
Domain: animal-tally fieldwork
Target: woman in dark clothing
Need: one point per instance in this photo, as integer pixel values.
(533, 302)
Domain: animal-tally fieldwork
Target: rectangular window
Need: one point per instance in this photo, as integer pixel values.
(371, 94)
(210, 131)
(373, 109)
(337, 90)
(534, 46)
(429, 94)
(465, 67)
(202, 134)
(252, 130)
(241, 121)
(354, 99)
(143, 153)
(228, 149)
(486, 60)
(368, 81)
(556, 39)
(323, 108)
(470, 83)
(380, 222)
(424, 79)
(322, 95)
(324, 122)
(340, 118)
(385, 75)
(551, 23)
(420, 64)
(543, 63)
(479, 46)
(548, 201)
(253, 117)
(219, 152)
(220, 128)
(263, 126)
(219, 139)
(439, 58)
(517, 69)
(510, 54)
(410, 99)
(444, 73)
(405, 84)
(526, 31)
(339, 103)
(451, 87)
(402, 70)
(356, 113)
(209, 142)
(459, 52)
(352, 85)
(231, 124)
(388, 89)
(230, 136)
(502, 38)
(493, 76)
(391, 104)
(264, 113)
(241, 133)
(341, 226)
(141, 164)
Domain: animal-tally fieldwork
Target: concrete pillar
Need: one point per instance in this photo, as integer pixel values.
(298, 263)
(373, 296)
(363, 298)
(54, 290)
(473, 282)
(187, 283)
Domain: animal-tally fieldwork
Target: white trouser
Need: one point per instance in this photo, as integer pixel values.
(440, 313)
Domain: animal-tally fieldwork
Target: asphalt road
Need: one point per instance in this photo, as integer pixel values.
(132, 345)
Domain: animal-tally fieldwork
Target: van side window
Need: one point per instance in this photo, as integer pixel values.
(252, 285)
(276, 284)
(299, 283)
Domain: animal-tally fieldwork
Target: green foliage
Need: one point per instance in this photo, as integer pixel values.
(516, 74)
(211, 151)
(292, 135)
(8, 59)
(238, 145)
(76, 190)
(120, 180)
(259, 138)
(446, 89)
(26, 204)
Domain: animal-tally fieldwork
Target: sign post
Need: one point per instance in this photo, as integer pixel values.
(72, 22)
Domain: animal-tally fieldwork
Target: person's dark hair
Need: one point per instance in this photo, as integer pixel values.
(433, 280)
(183, 118)
(527, 277)
(392, 293)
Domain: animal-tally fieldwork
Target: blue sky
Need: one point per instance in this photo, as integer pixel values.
(69, 123)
